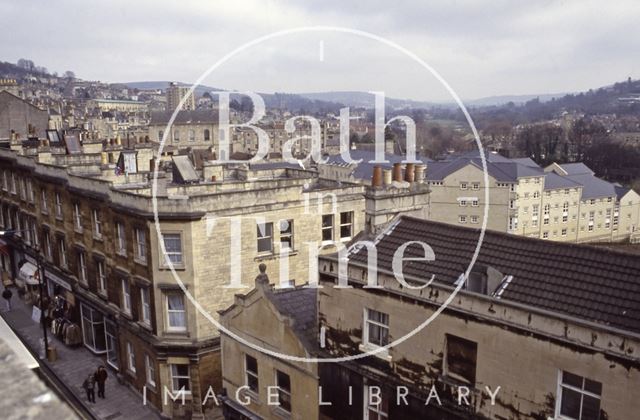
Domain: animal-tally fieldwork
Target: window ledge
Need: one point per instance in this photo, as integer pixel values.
(140, 262)
(176, 334)
(272, 256)
(177, 267)
(384, 354)
(145, 326)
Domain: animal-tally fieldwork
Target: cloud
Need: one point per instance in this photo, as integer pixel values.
(481, 48)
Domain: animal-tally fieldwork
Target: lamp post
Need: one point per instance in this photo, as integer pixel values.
(43, 318)
(41, 285)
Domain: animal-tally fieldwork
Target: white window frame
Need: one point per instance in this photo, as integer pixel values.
(582, 392)
(145, 305)
(141, 245)
(349, 224)
(102, 276)
(131, 358)
(377, 409)
(150, 371)
(283, 391)
(97, 224)
(263, 235)
(77, 217)
(168, 311)
(125, 292)
(82, 266)
(329, 228)
(284, 234)
(58, 201)
(368, 321)
(174, 375)
(44, 206)
(248, 373)
(168, 254)
(62, 253)
(121, 239)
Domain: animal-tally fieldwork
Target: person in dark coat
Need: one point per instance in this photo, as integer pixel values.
(6, 293)
(101, 377)
(89, 385)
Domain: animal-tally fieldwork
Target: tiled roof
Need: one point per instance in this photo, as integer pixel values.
(301, 305)
(576, 280)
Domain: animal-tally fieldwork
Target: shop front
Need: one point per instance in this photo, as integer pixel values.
(99, 334)
(61, 310)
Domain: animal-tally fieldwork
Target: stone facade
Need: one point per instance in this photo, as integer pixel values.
(21, 118)
(97, 232)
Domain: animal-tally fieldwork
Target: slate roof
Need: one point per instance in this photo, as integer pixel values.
(620, 190)
(553, 181)
(301, 305)
(526, 162)
(202, 116)
(577, 168)
(593, 187)
(498, 167)
(582, 281)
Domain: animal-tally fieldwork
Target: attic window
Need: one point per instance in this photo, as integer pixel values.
(477, 282)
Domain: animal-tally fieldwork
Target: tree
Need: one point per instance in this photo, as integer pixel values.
(69, 74)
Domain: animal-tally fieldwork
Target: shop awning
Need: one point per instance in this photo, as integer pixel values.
(27, 272)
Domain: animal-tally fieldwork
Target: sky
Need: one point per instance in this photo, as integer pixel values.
(480, 48)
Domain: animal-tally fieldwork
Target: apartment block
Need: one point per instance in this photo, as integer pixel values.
(561, 202)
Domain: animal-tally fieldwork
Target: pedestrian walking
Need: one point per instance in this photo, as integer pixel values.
(7, 295)
(89, 386)
(101, 377)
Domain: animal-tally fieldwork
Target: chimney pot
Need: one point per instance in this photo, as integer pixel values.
(397, 172)
(420, 173)
(386, 177)
(409, 173)
(376, 181)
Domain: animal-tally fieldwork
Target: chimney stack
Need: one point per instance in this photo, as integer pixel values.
(376, 180)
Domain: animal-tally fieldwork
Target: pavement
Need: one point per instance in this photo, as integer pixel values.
(73, 366)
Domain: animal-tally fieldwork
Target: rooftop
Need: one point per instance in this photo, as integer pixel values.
(582, 281)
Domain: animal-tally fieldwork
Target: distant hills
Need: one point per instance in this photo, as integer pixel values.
(355, 99)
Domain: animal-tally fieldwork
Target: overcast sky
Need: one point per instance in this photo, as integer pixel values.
(481, 48)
